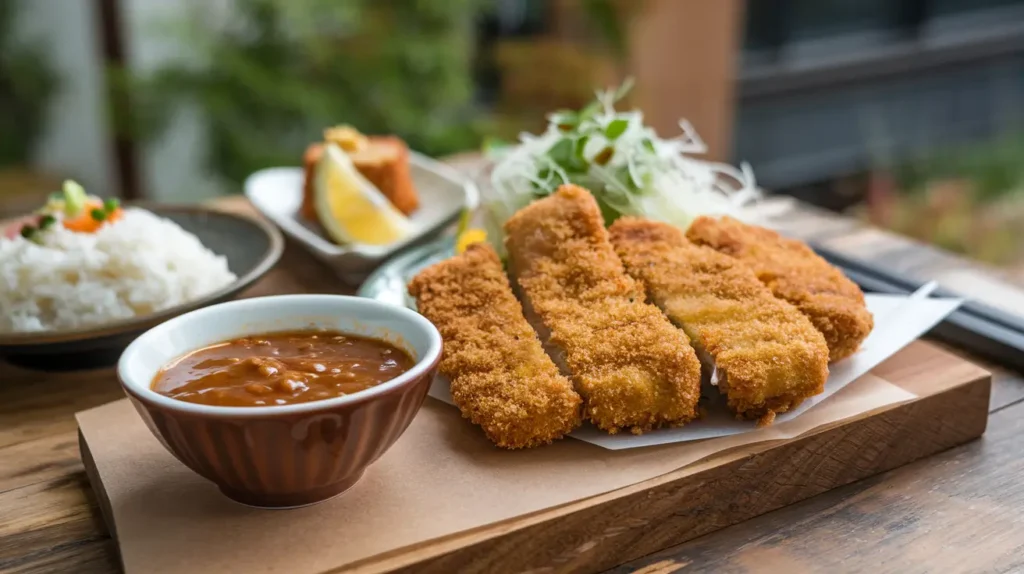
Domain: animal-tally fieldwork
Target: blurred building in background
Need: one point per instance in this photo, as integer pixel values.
(888, 108)
(837, 87)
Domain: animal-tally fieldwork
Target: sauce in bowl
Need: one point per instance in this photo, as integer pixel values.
(282, 369)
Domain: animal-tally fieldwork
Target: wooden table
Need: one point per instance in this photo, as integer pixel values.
(957, 511)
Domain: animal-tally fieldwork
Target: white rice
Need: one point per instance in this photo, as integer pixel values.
(138, 265)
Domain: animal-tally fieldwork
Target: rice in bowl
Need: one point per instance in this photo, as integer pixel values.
(140, 264)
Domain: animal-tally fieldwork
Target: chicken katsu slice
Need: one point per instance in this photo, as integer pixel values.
(795, 273)
(634, 369)
(501, 378)
(766, 356)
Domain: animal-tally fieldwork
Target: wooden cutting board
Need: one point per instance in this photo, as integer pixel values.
(603, 530)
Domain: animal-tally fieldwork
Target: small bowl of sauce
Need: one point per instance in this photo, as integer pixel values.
(282, 369)
(282, 401)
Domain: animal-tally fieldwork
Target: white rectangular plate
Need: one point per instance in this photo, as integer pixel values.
(443, 192)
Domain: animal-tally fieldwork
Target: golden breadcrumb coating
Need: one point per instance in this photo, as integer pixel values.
(794, 272)
(633, 368)
(769, 357)
(501, 379)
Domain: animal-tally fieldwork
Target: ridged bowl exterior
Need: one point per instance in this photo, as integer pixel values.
(290, 459)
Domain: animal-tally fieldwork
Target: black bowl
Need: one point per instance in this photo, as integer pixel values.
(251, 246)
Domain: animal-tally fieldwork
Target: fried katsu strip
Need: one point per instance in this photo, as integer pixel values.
(501, 379)
(634, 369)
(767, 356)
(833, 303)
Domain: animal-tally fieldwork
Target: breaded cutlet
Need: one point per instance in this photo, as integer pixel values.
(501, 379)
(766, 355)
(634, 369)
(795, 273)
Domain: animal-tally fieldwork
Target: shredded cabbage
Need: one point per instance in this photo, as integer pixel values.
(628, 168)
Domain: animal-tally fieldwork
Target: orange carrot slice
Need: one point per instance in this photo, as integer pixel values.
(86, 222)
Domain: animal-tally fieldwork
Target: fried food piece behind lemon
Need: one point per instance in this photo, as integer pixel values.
(382, 160)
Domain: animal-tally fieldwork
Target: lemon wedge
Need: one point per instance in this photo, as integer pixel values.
(469, 237)
(351, 209)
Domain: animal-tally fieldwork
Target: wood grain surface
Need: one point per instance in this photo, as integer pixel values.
(959, 511)
(953, 512)
(728, 488)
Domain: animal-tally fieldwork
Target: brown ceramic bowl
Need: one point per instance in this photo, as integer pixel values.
(288, 455)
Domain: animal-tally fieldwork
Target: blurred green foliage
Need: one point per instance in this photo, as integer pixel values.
(994, 168)
(27, 83)
(968, 199)
(609, 18)
(269, 75)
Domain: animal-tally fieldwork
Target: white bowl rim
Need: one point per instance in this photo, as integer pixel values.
(142, 389)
